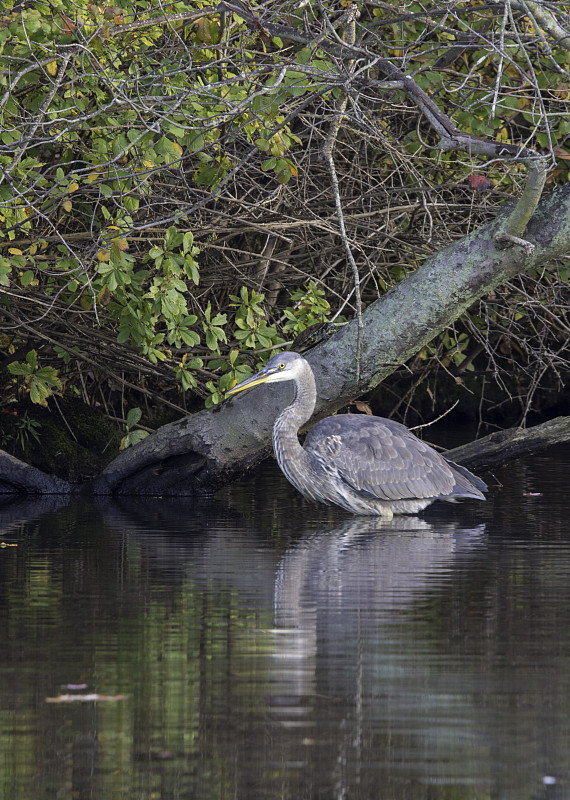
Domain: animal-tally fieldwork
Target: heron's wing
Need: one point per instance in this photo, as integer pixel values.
(379, 457)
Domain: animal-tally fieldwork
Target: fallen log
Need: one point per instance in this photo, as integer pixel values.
(511, 443)
(17, 477)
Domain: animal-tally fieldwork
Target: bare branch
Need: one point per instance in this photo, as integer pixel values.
(513, 229)
(548, 21)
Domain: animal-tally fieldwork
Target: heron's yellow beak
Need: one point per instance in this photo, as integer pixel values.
(248, 383)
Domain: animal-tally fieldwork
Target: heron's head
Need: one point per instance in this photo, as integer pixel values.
(282, 367)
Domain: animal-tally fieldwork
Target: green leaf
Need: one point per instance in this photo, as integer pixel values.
(296, 91)
(17, 368)
(226, 381)
(48, 375)
(38, 393)
(219, 333)
(27, 277)
(138, 436)
(187, 380)
(133, 417)
(131, 203)
(173, 238)
(179, 286)
(132, 438)
(165, 147)
(190, 338)
(191, 270)
(187, 241)
(41, 384)
(197, 143)
(5, 270)
(212, 341)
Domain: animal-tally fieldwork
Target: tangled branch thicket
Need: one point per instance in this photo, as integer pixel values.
(168, 214)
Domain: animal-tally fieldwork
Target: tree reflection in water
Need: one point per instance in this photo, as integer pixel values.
(271, 653)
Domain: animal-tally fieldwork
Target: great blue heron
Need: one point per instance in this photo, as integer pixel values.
(368, 465)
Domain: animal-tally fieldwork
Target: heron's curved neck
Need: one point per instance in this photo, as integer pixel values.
(303, 405)
(285, 440)
(291, 457)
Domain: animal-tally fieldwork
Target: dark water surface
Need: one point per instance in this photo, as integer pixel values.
(258, 647)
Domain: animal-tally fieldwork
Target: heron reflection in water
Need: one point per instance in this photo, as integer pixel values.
(367, 465)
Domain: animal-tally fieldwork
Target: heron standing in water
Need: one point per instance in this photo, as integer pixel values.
(365, 464)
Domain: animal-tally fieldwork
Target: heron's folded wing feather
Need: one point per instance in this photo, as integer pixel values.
(379, 457)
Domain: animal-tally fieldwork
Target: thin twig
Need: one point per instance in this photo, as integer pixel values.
(327, 152)
(437, 419)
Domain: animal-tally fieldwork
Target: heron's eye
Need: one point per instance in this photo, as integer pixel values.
(281, 366)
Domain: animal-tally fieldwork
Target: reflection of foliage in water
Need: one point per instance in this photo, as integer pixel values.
(175, 606)
(90, 607)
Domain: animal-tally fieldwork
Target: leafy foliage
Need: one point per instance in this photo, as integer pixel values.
(310, 307)
(134, 435)
(26, 431)
(166, 218)
(40, 382)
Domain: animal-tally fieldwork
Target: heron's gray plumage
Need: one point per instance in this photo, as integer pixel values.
(368, 465)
